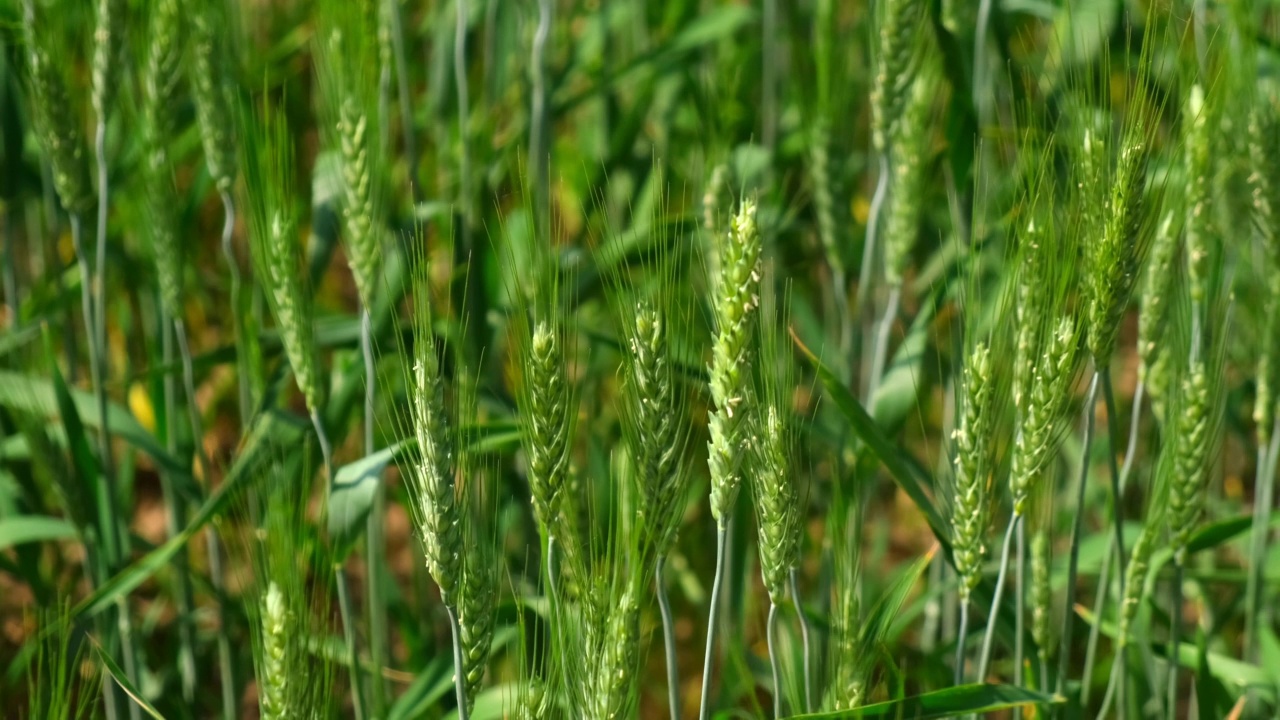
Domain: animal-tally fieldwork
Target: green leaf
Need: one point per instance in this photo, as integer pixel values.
(867, 430)
(876, 626)
(33, 528)
(1236, 675)
(15, 338)
(898, 392)
(351, 497)
(270, 432)
(122, 680)
(38, 396)
(977, 698)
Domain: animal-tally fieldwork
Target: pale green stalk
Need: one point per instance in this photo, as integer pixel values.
(1069, 614)
(174, 521)
(736, 299)
(898, 41)
(56, 125)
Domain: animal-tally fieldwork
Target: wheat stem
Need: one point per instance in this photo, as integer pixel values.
(237, 321)
(960, 633)
(1019, 605)
(869, 245)
(771, 640)
(1104, 584)
(375, 536)
(174, 520)
(113, 535)
(1117, 489)
(1095, 630)
(1073, 565)
(881, 348)
(340, 579)
(1264, 493)
(668, 639)
(459, 674)
(99, 289)
(1175, 627)
(704, 708)
(804, 640)
(349, 636)
(988, 638)
(213, 549)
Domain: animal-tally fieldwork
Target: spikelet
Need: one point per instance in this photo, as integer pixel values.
(108, 40)
(972, 469)
(618, 645)
(346, 54)
(1191, 460)
(277, 620)
(823, 200)
(911, 142)
(1135, 577)
(1199, 164)
(210, 72)
(900, 34)
(713, 198)
(1264, 180)
(56, 119)
(162, 76)
(736, 301)
(1041, 414)
(1157, 288)
(1115, 259)
(1264, 147)
(431, 478)
(160, 87)
(547, 420)
(477, 603)
(276, 252)
(658, 438)
(1268, 381)
(777, 502)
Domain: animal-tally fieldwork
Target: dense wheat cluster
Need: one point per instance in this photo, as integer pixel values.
(389, 359)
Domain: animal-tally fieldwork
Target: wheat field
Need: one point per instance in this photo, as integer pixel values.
(389, 359)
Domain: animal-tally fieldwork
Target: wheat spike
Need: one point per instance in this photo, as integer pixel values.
(736, 301)
(972, 468)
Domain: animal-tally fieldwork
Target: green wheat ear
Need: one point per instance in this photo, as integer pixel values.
(973, 465)
(210, 69)
(431, 474)
(482, 560)
(1264, 180)
(736, 299)
(289, 565)
(108, 39)
(616, 626)
(658, 438)
(911, 141)
(347, 55)
(901, 24)
(1198, 126)
(1115, 260)
(160, 84)
(274, 245)
(56, 117)
(548, 426)
(1157, 289)
(773, 475)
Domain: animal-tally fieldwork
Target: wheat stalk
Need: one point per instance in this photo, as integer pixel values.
(736, 299)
